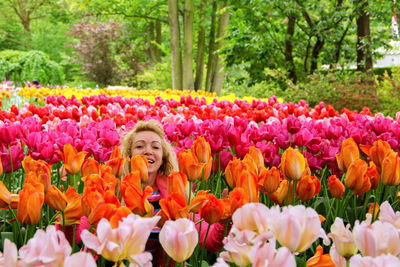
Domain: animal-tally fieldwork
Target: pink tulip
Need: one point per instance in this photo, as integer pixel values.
(46, 248)
(387, 214)
(268, 256)
(80, 259)
(10, 255)
(296, 227)
(377, 238)
(338, 260)
(246, 247)
(343, 239)
(179, 239)
(252, 216)
(126, 241)
(239, 244)
(383, 260)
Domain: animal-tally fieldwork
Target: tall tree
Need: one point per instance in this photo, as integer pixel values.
(175, 43)
(187, 71)
(222, 24)
(364, 55)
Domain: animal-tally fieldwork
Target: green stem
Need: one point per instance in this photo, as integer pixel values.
(52, 218)
(204, 243)
(288, 193)
(347, 263)
(294, 192)
(63, 220)
(18, 224)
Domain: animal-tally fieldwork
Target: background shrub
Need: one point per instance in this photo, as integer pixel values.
(21, 66)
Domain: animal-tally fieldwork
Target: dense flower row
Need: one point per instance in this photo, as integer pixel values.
(96, 125)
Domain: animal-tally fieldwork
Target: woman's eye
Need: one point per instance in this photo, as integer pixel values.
(138, 146)
(156, 147)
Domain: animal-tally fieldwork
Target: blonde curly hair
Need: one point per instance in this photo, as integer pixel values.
(169, 161)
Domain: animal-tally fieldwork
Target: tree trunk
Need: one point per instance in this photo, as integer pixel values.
(158, 41)
(176, 62)
(200, 49)
(319, 44)
(222, 24)
(211, 50)
(339, 44)
(188, 46)
(152, 47)
(364, 57)
(289, 48)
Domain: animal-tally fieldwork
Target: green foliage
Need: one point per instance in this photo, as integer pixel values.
(239, 83)
(20, 66)
(156, 77)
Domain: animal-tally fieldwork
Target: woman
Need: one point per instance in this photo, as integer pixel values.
(148, 139)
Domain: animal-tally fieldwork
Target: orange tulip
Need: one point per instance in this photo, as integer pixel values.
(116, 162)
(233, 171)
(320, 259)
(293, 164)
(269, 180)
(249, 182)
(1, 167)
(140, 163)
(377, 152)
(73, 212)
(72, 159)
(349, 152)
(135, 198)
(308, 187)
(373, 175)
(198, 201)
(90, 166)
(29, 208)
(189, 165)
(5, 196)
(173, 207)
(258, 157)
(279, 196)
(336, 187)
(391, 169)
(119, 214)
(238, 198)
(177, 182)
(41, 168)
(355, 173)
(212, 210)
(366, 186)
(202, 150)
(55, 199)
(251, 164)
(103, 210)
(92, 196)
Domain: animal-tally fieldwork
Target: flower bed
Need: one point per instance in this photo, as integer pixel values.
(330, 167)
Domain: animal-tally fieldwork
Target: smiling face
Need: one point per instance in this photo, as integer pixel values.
(148, 144)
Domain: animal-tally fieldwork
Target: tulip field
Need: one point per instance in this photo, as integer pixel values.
(288, 184)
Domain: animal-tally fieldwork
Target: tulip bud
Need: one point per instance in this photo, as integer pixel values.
(269, 180)
(336, 187)
(179, 239)
(308, 187)
(391, 169)
(293, 164)
(355, 174)
(349, 153)
(140, 163)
